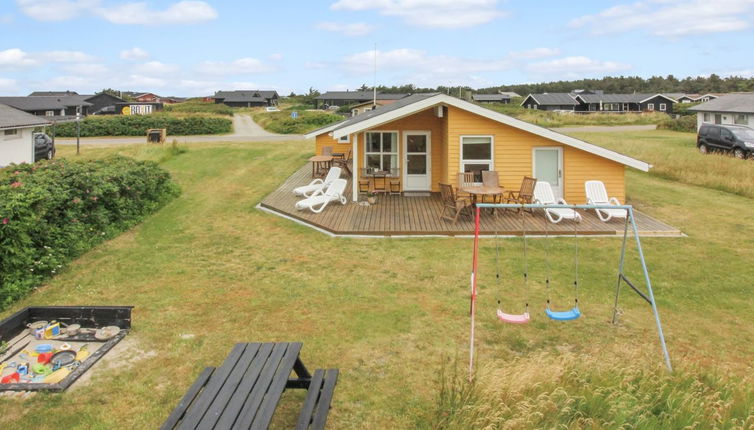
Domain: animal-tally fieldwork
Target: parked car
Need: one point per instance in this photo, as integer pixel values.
(737, 140)
(44, 147)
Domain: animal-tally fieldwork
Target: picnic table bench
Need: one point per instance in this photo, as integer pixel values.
(244, 392)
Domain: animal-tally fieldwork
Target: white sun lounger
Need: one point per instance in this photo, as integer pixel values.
(318, 184)
(596, 194)
(543, 195)
(319, 199)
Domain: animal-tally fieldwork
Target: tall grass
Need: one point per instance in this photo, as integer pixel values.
(578, 391)
(562, 119)
(674, 156)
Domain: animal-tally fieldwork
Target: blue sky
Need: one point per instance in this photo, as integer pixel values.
(191, 47)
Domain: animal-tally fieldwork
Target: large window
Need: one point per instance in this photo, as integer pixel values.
(381, 151)
(650, 106)
(706, 117)
(740, 118)
(476, 155)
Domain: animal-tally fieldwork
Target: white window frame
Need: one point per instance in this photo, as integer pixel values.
(744, 119)
(396, 153)
(49, 113)
(345, 139)
(462, 162)
(11, 133)
(625, 107)
(706, 117)
(663, 107)
(651, 107)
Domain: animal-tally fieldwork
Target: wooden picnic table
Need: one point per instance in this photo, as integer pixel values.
(320, 164)
(244, 392)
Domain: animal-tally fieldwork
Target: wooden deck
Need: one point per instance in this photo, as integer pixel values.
(399, 215)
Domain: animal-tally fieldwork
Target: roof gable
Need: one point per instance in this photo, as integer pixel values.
(741, 103)
(420, 102)
(14, 118)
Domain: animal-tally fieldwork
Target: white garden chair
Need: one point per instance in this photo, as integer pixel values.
(596, 194)
(318, 184)
(319, 199)
(543, 195)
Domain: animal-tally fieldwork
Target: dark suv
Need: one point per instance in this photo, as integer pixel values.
(44, 147)
(737, 140)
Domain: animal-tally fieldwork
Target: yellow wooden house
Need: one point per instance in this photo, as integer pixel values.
(426, 139)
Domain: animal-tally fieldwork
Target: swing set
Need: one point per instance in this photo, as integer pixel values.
(569, 314)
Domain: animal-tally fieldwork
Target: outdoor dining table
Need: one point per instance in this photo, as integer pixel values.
(320, 164)
(475, 191)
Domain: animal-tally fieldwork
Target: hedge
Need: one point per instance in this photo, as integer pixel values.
(137, 125)
(200, 107)
(685, 123)
(52, 212)
(281, 122)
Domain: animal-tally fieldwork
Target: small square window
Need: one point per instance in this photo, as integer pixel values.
(650, 106)
(663, 107)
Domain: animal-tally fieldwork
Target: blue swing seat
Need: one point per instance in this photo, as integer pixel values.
(569, 315)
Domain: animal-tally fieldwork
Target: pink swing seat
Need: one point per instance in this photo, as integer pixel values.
(513, 319)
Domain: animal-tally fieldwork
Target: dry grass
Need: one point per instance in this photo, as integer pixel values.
(674, 156)
(387, 312)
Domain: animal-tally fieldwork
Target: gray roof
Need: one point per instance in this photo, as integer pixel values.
(554, 99)
(617, 98)
(33, 103)
(490, 97)
(246, 95)
(379, 110)
(53, 93)
(742, 103)
(509, 94)
(13, 118)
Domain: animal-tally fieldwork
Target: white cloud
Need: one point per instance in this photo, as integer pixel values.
(276, 57)
(143, 82)
(157, 68)
(14, 58)
(8, 85)
(315, 65)
(349, 29)
(241, 66)
(430, 13)
(576, 67)
(744, 73)
(134, 54)
(182, 12)
(56, 10)
(531, 54)
(421, 68)
(671, 18)
(63, 57)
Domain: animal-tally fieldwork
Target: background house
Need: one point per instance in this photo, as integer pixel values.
(368, 106)
(53, 107)
(247, 98)
(16, 135)
(347, 98)
(625, 103)
(100, 102)
(491, 98)
(550, 101)
(728, 109)
(147, 98)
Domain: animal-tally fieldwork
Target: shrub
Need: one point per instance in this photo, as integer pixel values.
(685, 123)
(137, 125)
(52, 212)
(200, 107)
(281, 122)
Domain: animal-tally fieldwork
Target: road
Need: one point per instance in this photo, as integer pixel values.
(605, 128)
(244, 129)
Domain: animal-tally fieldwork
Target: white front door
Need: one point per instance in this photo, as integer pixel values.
(417, 152)
(548, 167)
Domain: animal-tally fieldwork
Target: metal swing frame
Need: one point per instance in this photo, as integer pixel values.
(648, 296)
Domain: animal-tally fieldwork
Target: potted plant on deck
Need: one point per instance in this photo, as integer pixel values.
(371, 197)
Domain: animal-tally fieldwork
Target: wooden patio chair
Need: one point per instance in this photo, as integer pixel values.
(490, 178)
(345, 163)
(525, 195)
(464, 179)
(451, 202)
(394, 183)
(327, 150)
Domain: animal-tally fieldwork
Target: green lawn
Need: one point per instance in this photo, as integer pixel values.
(392, 314)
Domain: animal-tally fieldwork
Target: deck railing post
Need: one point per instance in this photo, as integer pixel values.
(355, 179)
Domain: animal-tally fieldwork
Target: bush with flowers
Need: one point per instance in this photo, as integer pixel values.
(52, 212)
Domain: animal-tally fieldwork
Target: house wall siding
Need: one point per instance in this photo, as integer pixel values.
(513, 157)
(16, 149)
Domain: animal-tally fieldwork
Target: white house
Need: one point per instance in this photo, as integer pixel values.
(728, 109)
(16, 135)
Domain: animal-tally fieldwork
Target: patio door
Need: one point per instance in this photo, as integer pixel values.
(417, 151)
(548, 167)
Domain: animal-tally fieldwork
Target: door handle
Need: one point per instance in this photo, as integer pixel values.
(560, 173)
